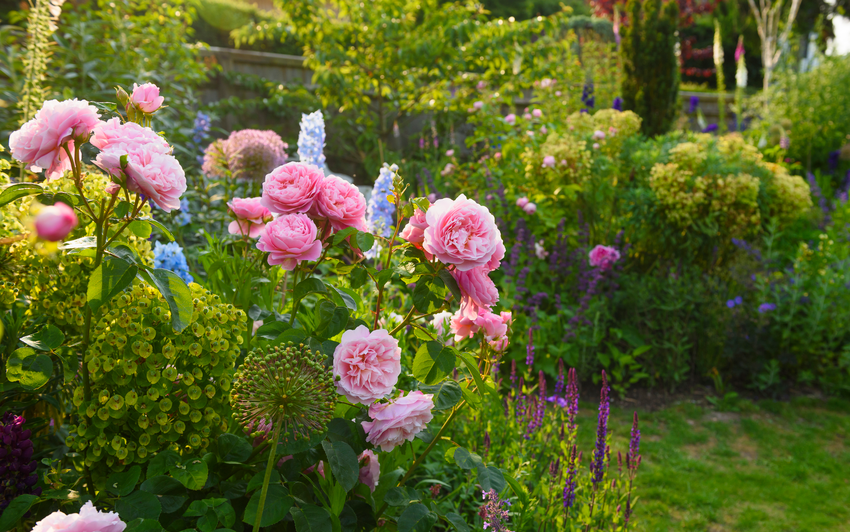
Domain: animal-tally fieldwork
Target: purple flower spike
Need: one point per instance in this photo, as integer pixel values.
(494, 512)
(529, 349)
(17, 472)
(618, 104)
(597, 465)
(570, 486)
(634, 445)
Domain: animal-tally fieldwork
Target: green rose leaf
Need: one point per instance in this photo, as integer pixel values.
(278, 503)
(46, 339)
(138, 505)
(343, 462)
(18, 191)
(159, 226)
(309, 286)
(416, 518)
(112, 276)
(365, 241)
(311, 518)
(446, 394)
(466, 459)
(140, 228)
(31, 369)
(80, 243)
(433, 362)
(144, 525)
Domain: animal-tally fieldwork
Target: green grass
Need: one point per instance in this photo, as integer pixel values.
(771, 467)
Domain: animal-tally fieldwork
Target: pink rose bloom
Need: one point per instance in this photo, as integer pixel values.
(537, 113)
(530, 133)
(146, 97)
(88, 520)
(498, 155)
(529, 208)
(450, 153)
(496, 260)
(494, 325)
(370, 469)
(54, 222)
(155, 175)
(477, 291)
(598, 135)
(522, 202)
(414, 231)
(549, 161)
(478, 105)
(603, 257)
(290, 239)
(612, 130)
(461, 232)
(367, 364)
(510, 119)
(595, 145)
(558, 93)
(257, 325)
(251, 217)
(113, 132)
(448, 169)
(398, 421)
(544, 130)
(39, 142)
(499, 344)
(342, 203)
(292, 187)
(527, 116)
(441, 321)
(540, 251)
(462, 327)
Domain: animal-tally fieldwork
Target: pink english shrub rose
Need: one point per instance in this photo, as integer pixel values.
(537, 113)
(462, 232)
(398, 421)
(292, 187)
(529, 208)
(414, 231)
(549, 161)
(113, 132)
(603, 257)
(39, 143)
(370, 469)
(88, 520)
(54, 222)
(251, 217)
(289, 240)
(146, 97)
(477, 291)
(495, 326)
(341, 203)
(151, 173)
(522, 202)
(367, 364)
(462, 327)
(510, 119)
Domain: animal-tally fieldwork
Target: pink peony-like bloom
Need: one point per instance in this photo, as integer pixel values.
(441, 322)
(88, 520)
(497, 155)
(549, 161)
(477, 291)
(450, 153)
(370, 469)
(251, 217)
(510, 119)
(461, 232)
(595, 145)
(522, 202)
(478, 105)
(462, 327)
(540, 251)
(537, 113)
(341, 203)
(527, 116)
(496, 260)
(543, 130)
(151, 173)
(113, 132)
(603, 257)
(146, 97)
(292, 187)
(39, 143)
(54, 222)
(598, 135)
(290, 239)
(500, 344)
(529, 208)
(398, 421)
(494, 325)
(414, 231)
(367, 365)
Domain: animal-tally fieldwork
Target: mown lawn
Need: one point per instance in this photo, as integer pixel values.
(772, 466)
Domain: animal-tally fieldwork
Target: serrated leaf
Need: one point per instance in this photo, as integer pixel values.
(433, 362)
(107, 280)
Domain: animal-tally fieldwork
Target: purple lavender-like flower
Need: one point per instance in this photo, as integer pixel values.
(554, 467)
(572, 399)
(494, 512)
(710, 128)
(17, 471)
(766, 307)
(618, 104)
(634, 445)
(486, 444)
(559, 383)
(784, 142)
(597, 464)
(694, 103)
(529, 349)
(570, 486)
(587, 97)
(513, 373)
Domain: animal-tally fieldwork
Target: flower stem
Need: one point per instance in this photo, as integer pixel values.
(265, 490)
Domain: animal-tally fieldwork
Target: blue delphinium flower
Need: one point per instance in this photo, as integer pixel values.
(182, 217)
(587, 97)
(170, 257)
(693, 104)
(379, 211)
(618, 104)
(311, 139)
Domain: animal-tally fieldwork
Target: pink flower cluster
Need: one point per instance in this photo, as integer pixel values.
(301, 195)
(88, 520)
(603, 257)
(526, 206)
(251, 217)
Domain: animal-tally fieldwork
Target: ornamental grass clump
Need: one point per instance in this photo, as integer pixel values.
(153, 388)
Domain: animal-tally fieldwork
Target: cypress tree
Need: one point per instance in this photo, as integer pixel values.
(651, 68)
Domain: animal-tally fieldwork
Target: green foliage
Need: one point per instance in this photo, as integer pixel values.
(41, 24)
(650, 65)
